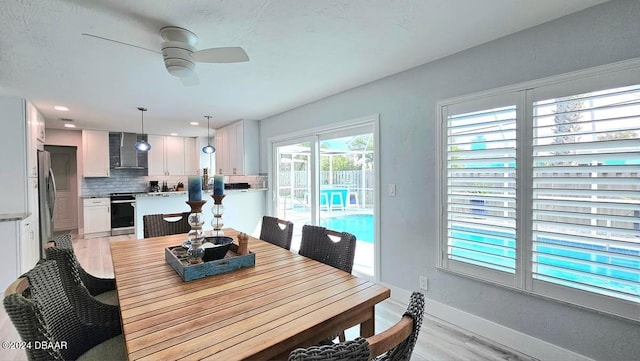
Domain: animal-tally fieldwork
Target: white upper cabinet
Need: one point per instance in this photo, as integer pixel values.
(237, 148)
(33, 118)
(191, 156)
(172, 156)
(20, 150)
(95, 153)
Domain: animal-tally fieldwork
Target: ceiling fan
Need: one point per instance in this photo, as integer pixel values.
(180, 54)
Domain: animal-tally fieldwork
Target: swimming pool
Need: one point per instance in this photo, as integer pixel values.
(575, 264)
(360, 225)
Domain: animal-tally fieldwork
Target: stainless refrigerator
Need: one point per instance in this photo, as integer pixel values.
(46, 198)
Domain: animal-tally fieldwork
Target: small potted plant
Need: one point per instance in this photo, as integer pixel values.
(180, 187)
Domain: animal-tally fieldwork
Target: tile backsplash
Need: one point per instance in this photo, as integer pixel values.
(125, 180)
(137, 180)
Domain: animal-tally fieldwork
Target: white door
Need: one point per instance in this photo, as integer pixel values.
(63, 164)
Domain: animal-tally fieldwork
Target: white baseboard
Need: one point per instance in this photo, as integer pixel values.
(495, 332)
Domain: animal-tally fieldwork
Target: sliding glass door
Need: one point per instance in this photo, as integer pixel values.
(328, 179)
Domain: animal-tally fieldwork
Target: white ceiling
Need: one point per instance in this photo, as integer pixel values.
(300, 51)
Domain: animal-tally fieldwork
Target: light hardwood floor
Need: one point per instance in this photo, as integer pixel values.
(437, 340)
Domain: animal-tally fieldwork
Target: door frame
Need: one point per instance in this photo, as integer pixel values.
(73, 180)
(369, 120)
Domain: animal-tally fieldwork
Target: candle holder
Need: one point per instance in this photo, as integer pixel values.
(196, 221)
(217, 210)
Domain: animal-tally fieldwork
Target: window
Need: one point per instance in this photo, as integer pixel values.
(541, 188)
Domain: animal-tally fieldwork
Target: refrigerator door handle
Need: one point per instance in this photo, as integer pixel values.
(51, 192)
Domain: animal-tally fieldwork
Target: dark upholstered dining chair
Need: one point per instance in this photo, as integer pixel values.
(60, 249)
(277, 231)
(316, 244)
(43, 314)
(394, 344)
(157, 225)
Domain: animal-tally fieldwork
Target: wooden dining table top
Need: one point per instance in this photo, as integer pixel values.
(261, 312)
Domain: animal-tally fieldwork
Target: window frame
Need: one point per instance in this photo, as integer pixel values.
(607, 76)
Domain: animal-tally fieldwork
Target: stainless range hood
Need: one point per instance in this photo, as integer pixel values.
(128, 152)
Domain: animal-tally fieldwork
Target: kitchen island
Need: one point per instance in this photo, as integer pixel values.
(243, 209)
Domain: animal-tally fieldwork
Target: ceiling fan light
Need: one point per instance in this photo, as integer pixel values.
(208, 149)
(143, 146)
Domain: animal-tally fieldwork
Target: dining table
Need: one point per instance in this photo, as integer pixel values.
(261, 312)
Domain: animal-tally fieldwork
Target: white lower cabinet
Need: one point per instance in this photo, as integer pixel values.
(97, 217)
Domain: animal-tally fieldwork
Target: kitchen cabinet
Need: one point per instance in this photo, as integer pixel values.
(20, 149)
(95, 153)
(29, 243)
(237, 148)
(191, 156)
(97, 216)
(172, 156)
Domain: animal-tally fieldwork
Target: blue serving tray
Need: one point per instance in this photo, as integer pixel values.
(189, 272)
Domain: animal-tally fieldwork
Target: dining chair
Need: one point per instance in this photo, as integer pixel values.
(393, 344)
(277, 231)
(45, 319)
(73, 276)
(157, 225)
(317, 244)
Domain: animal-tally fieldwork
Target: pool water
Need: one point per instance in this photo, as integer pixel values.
(360, 225)
(575, 266)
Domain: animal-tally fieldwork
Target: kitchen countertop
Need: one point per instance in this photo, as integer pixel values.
(171, 193)
(206, 192)
(6, 217)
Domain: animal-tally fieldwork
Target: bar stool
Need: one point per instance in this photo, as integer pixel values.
(353, 194)
(340, 204)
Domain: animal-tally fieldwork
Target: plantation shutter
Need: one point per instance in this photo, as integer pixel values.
(586, 192)
(481, 190)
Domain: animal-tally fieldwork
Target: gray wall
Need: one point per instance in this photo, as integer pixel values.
(406, 104)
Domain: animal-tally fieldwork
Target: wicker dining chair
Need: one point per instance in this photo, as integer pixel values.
(394, 344)
(316, 244)
(157, 225)
(272, 231)
(45, 319)
(73, 276)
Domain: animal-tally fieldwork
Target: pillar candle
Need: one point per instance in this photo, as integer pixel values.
(218, 185)
(195, 188)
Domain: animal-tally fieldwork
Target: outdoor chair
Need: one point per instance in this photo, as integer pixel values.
(394, 344)
(74, 277)
(44, 317)
(157, 225)
(277, 231)
(316, 244)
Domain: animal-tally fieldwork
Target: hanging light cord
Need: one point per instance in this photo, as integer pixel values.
(208, 129)
(141, 109)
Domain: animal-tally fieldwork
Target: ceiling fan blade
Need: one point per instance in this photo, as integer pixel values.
(119, 42)
(220, 55)
(191, 80)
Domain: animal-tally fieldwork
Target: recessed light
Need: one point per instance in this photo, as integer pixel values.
(61, 108)
(174, 134)
(194, 123)
(69, 125)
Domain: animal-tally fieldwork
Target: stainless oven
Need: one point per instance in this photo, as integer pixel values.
(122, 213)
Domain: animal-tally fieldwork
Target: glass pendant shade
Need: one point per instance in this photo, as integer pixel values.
(142, 145)
(208, 149)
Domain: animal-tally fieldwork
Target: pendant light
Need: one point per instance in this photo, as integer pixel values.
(142, 145)
(208, 149)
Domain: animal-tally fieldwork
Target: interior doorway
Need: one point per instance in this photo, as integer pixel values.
(63, 164)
